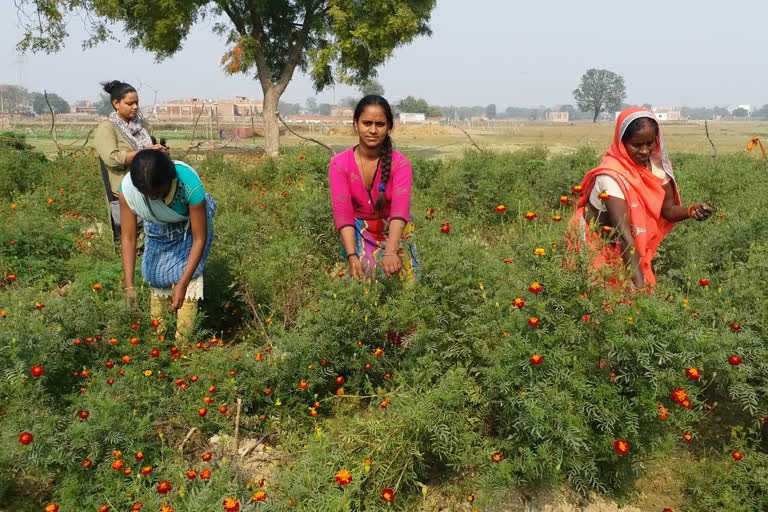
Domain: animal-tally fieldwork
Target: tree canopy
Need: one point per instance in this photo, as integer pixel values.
(371, 87)
(330, 40)
(600, 91)
(59, 104)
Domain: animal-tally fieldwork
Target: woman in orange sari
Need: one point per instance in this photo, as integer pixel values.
(632, 197)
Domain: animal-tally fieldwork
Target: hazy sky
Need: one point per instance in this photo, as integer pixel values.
(507, 52)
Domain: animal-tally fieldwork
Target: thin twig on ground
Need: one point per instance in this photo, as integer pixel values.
(310, 139)
(469, 137)
(189, 434)
(706, 130)
(237, 424)
(53, 123)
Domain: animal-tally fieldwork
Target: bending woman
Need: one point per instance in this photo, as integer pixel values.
(634, 194)
(371, 195)
(178, 222)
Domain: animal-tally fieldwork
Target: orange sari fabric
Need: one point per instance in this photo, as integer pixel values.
(643, 192)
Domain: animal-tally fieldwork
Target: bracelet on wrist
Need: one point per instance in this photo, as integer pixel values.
(689, 211)
(391, 254)
(353, 254)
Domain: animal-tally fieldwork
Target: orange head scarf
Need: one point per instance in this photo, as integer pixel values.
(642, 190)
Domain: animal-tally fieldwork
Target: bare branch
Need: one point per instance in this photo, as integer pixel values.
(310, 139)
(53, 123)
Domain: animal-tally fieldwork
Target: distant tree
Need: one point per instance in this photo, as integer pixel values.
(761, 112)
(600, 91)
(104, 105)
(14, 98)
(573, 113)
(433, 111)
(288, 109)
(37, 100)
(371, 87)
(740, 112)
(345, 40)
(311, 104)
(648, 106)
(324, 109)
(413, 105)
(490, 111)
(348, 101)
(720, 111)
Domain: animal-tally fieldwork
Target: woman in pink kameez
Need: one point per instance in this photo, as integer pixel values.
(371, 195)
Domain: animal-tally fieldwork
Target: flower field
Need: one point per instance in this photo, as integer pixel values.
(502, 369)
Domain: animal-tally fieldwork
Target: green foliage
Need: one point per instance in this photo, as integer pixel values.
(600, 91)
(39, 106)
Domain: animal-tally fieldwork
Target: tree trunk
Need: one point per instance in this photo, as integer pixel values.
(597, 114)
(271, 126)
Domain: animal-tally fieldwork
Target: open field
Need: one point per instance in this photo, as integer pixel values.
(728, 136)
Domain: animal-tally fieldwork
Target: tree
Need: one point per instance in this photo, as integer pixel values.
(600, 90)
(37, 100)
(412, 105)
(311, 105)
(329, 39)
(490, 111)
(12, 98)
(371, 86)
(324, 109)
(348, 101)
(740, 112)
(104, 105)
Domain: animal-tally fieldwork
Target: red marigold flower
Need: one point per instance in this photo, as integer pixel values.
(303, 384)
(208, 400)
(737, 455)
(312, 411)
(735, 326)
(430, 212)
(146, 470)
(118, 465)
(704, 282)
(536, 288)
(508, 260)
(533, 321)
(231, 505)
(564, 199)
(207, 456)
(471, 498)
(205, 474)
(540, 252)
(139, 456)
(536, 359)
(11, 277)
(39, 306)
(387, 495)
(603, 196)
(164, 487)
(340, 380)
(734, 360)
(97, 287)
(519, 303)
(268, 391)
(223, 409)
(531, 215)
(166, 508)
(557, 218)
(685, 404)
(136, 506)
(385, 403)
(340, 391)
(693, 373)
(606, 229)
(387, 375)
(154, 323)
(104, 508)
(259, 356)
(621, 446)
(378, 352)
(36, 370)
(202, 412)
(501, 208)
(110, 381)
(343, 477)
(679, 395)
(52, 507)
(25, 438)
(687, 437)
(446, 227)
(259, 496)
(135, 326)
(126, 359)
(497, 457)
(191, 474)
(86, 463)
(577, 189)
(83, 415)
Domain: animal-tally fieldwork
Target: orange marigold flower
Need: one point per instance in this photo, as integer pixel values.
(539, 252)
(312, 411)
(387, 495)
(687, 437)
(97, 287)
(303, 384)
(737, 455)
(11, 277)
(564, 199)
(343, 477)
(693, 373)
(268, 391)
(207, 456)
(154, 323)
(25, 438)
(104, 508)
(205, 474)
(126, 359)
(533, 321)
(86, 463)
(735, 326)
(340, 391)
(146, 470)
(679, 395)
(471, 498)
(202, 412)
(231, 505)
(134, 341)
(118, 465)
(139, 456)
(191, 474)
(166, 508)
(536, 359)
(704, 282)
(577, 189)
(663, 412)
(734, 360)
(136, 506)
(531, 215)
(536, 288)
(127, 471)
(621, 446)
(497, 457)
(259, 496)
(519, 303)
(557, 218)
(340, 380)
(164, 487)
(603, 196)
(83, 415)
(223, 409)
(36, 370)
(501, 208)
(52, 507)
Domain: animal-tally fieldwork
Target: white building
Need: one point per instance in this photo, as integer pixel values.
(412, 117)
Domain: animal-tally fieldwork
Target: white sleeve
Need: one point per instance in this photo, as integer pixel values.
(604, 183)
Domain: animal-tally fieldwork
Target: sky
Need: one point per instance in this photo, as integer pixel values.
(506, 52)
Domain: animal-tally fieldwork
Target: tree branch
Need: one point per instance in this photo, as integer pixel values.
(310, 139)
(53, 123)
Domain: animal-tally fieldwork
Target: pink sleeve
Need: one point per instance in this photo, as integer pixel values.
(401, 189)
(341, 196)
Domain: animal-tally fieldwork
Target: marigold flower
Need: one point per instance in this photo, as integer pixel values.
(387, 495)
(687, 437)
(343, 477)
(621, 446)
(385, 403)
(25, 438)
(202, 412)
(539, 252)
(735, 326)
(154, 353)
(737, 456)
(11, 277)
(205, 474)
(207, 456)
(531, 215)
(508, 260)
(471, 498)
(693, 373)
(340, 391)
(136, 506)
(564, 199)
(501, 208)
(164, 487)
(126, 359)
(191, 474)
(536, 288)
(36, 370)
(86, 463)
(231, 505)
(577, 189)
(533, 321)
(259, 496)
(303, 384)
(378, 352)
(139, 456)
(83, 415)
(52, 507)
(166, 508)
(118, 465)
(679, 395)
(446, 227)
(268, 391)
(340, 380)
(536, 359)
(110, 381)
(154, 323)
(557, 218)
(519, 303)
(685, 404)
(497, 457)
(223, 409)
(704, 282)
(606, 229)
(146, 470)
(734, 360)
(104, 508)
(603, 196)
(97, 287)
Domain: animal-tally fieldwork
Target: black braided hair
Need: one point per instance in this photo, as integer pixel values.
(152, 170)
(386, 146)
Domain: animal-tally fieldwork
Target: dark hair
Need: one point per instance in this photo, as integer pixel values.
(117, 89)
(386, 145)
(152, 169)
(637, 125)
